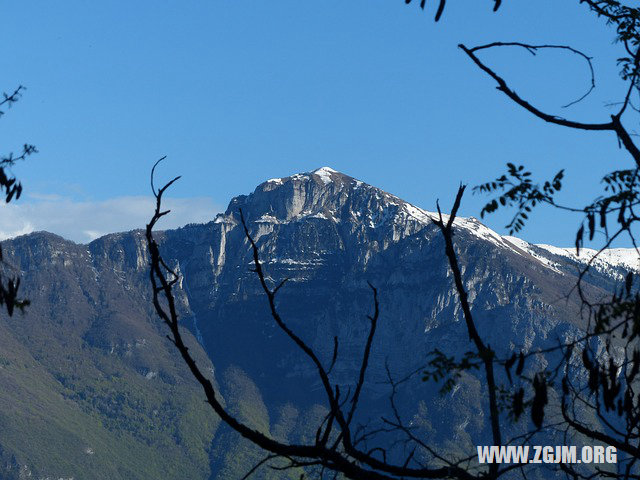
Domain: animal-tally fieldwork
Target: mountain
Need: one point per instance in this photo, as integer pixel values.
(91, 388)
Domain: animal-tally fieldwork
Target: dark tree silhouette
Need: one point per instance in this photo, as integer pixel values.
(11, 189)
(599, 372)
(601, 381)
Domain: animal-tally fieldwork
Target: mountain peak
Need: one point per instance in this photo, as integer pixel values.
(326, 195)
(324, 170)
(326, 175)
(323, 191)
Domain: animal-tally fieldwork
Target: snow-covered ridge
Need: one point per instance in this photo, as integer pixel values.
(607, 260)
(326, 174)
(624, 258)
(627, 258)
(388, 209)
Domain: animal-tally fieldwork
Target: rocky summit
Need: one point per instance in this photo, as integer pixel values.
(91, 388)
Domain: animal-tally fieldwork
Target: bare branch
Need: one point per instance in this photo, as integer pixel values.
(486, 354)
(503, 87)
(365, 356)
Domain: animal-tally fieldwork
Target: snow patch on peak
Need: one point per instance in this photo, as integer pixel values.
(324, 169)
(325, 174)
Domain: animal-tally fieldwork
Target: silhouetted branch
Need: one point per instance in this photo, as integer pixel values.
(485, 352)
(442, 4)
(365, 356)
(533, 49)
(8, 99)
(12, 191)
(615, 125)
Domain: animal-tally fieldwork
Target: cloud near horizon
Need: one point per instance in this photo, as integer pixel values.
(84, 221)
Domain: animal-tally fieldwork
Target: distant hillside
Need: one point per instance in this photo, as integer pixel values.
(89, 386)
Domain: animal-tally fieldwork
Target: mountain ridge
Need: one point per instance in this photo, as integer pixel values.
(614, 257)
(92, 334)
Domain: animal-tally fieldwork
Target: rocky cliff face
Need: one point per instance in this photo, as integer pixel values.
(92, 334)
(330, 234)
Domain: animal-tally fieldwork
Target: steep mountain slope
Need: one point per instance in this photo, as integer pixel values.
(89, 364)
(330, 234)
(90, 387)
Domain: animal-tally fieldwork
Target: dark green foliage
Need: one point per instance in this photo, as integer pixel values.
(621, 188)
(518, 403)
(509, 364)
(520, 192)
(627, 23)
(443, 367)
(540, 399)
(11, 189)
(621, 312)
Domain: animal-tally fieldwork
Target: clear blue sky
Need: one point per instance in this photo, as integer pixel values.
(236, 92)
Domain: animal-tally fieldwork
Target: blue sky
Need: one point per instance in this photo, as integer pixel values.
(236, 92)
